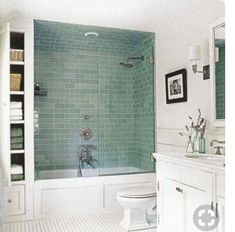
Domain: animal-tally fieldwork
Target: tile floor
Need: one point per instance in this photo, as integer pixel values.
(95, 223)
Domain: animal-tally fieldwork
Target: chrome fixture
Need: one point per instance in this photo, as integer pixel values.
(85, 156)
(91, 34)
(38, 91)
(218, 148)
(126, 63)
(86, 133)
(86, 116)
(151, 60)
(216, 141)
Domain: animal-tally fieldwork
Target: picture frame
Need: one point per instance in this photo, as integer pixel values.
(176, 86)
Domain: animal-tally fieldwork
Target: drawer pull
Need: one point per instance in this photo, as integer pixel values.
(179, 190)
(9, 201)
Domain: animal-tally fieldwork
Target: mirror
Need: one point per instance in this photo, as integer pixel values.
(217, 70)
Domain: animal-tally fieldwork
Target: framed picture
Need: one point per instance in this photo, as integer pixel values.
(176, 86)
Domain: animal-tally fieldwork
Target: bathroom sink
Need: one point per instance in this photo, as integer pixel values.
(205, 156)
(212, 157)
(218, 160)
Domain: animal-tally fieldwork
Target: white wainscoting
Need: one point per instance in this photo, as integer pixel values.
(62, 197)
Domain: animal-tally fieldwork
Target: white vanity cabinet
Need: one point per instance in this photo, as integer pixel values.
(182, 187)
(220, 199)
(180, 193)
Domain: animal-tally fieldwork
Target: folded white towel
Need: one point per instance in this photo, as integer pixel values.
(15, 105)
(16, 169)
(14, 118)
(16, 112)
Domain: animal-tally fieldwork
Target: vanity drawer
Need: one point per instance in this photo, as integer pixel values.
(14, 201)
(184, 174)
(220, 184)
(197, 178)
(168, 169)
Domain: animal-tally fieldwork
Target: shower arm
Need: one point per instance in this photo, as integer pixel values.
(136, 58)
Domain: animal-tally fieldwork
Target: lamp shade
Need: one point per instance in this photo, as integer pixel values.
(194, 53)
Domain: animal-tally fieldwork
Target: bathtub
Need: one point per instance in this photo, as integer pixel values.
(61, 193)
(74, 173)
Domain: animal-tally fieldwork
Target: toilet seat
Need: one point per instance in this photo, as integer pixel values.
(137, 192)
(138, 202)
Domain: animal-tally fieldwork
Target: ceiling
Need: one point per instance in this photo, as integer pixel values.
(146, 15)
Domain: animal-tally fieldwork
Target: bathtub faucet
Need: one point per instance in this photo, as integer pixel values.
(84, 153)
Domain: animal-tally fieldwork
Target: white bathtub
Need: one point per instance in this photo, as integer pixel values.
(70, 196)
(73, 173)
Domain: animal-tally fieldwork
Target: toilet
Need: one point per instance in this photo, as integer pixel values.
(139, 202)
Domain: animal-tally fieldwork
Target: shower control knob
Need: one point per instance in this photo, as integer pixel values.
(37, 87)
(86, 133)
(86, 117)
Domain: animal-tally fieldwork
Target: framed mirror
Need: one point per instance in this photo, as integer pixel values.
(217, 70)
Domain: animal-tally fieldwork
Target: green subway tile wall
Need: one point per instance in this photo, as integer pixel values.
(82, 76)
(220, 81)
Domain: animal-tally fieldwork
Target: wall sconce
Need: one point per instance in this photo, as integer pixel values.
(194, 57)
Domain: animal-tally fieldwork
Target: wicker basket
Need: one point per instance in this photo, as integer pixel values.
(15, 81)
(17, 55)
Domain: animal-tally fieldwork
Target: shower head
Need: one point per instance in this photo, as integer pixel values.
(126, 64)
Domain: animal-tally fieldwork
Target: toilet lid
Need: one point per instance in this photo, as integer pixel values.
(138, 191)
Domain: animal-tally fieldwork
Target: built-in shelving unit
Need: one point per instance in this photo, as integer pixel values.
(17, 103)
(16, 118)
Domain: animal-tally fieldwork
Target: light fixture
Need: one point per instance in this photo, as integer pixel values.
(91, 34)
(194, 57)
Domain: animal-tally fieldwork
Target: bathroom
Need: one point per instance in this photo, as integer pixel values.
(90, 125)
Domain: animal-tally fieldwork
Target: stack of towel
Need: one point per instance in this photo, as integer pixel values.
(16, 112)
(17, 140)
(17, 172)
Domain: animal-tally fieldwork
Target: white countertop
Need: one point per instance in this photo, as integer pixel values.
(203, 160)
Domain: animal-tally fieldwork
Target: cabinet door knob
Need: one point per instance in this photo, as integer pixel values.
(178, 189)
(9, 200)
(212, 205)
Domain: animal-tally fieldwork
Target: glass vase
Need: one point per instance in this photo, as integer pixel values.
(202, 145)
(196, 143)
(189, 148)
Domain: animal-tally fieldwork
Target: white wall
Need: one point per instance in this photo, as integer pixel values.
(172, 46)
